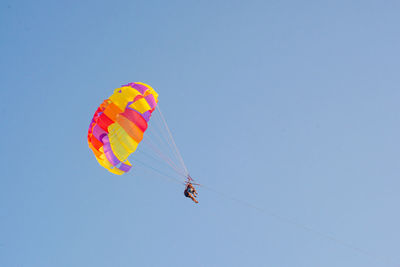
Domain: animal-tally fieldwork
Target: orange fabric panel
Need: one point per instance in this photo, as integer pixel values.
(96, 143)
(95, 151)
(112, 111)
(131, 129)
(104, 104)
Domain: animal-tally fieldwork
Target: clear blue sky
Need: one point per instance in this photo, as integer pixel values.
(292, 106)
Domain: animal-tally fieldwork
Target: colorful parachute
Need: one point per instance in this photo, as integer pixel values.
(119, 123)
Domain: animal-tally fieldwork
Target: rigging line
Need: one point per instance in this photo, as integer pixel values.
(161, 173)
(166, 159)
(162, 130)
(155, 130)
(172, 139)
(161, 145)
(165, 139)
(157, 160)
(302, 226)
(154, 148)
(150, 134)
(162, 125)
(158, 133)
(150, 141)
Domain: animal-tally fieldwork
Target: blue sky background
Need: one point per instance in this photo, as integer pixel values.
(292, 106)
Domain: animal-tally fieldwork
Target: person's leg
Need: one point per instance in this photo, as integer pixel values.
(193, 199)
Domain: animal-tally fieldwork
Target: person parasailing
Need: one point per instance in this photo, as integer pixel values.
(190, 191)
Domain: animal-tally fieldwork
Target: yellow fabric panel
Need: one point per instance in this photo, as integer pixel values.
(116, 171)
(124, 139)
(102, 159)
(106, 164)
(119, 150)
(109, 167)
(121, 143)
(119, 99)
(116, 91)
(122, 98)
(128, 92)
(140, 105)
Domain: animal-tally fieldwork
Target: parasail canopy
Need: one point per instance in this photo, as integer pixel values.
(119, 123)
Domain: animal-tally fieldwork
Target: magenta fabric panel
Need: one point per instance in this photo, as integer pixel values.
(139, 87)
(108, 151)
(136, 118)
(124, 167)
(152, 102)
(98, 132)
(147, 115)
